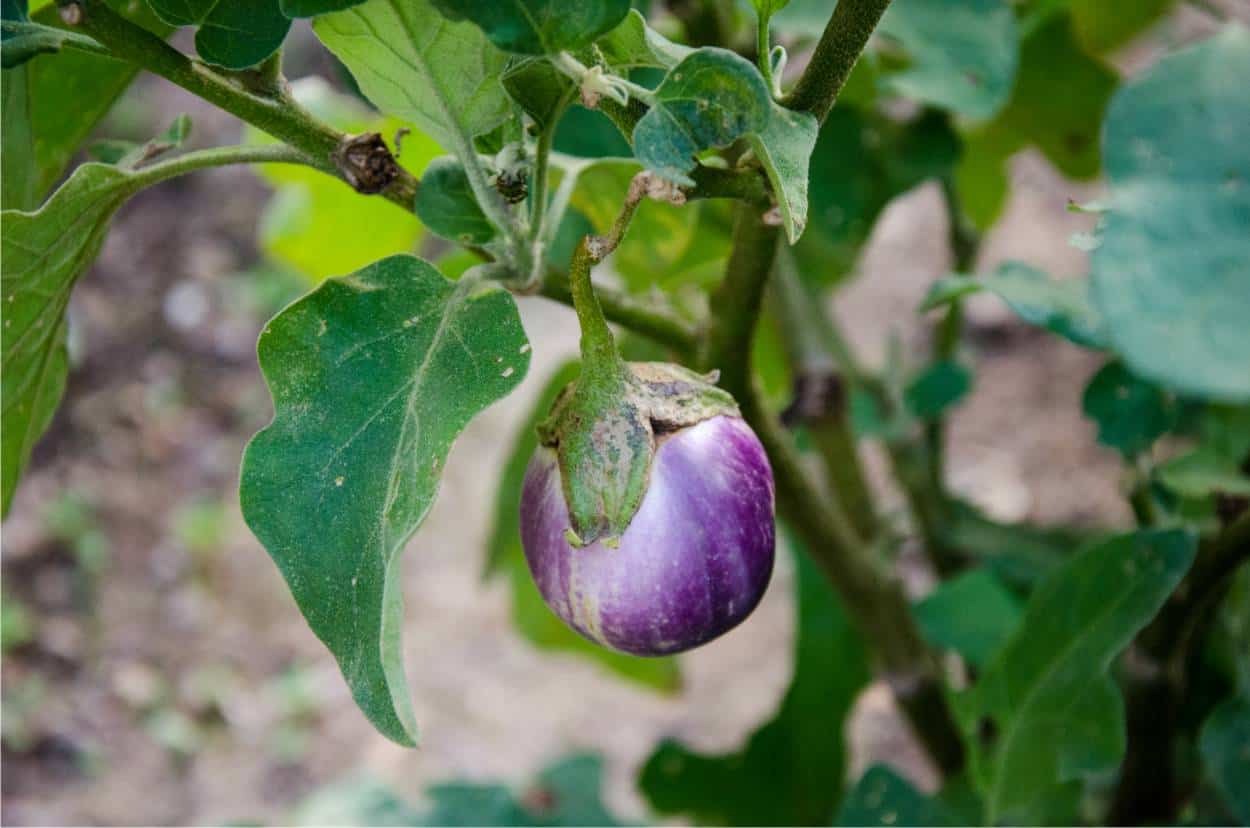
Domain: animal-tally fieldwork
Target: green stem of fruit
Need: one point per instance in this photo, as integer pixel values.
(840, 46)
(657, 323)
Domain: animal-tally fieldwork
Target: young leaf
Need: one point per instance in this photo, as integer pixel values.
(784, 148)
(787, 773)
(235, 34)
(1225, 747)
(416, 65)
(963, 53)
(505, 556)
(373, 376)
(446, 204)
(1131, 413)
(538, 27)
(710, 99)
(1170, 275)
(883, 798)
(1056, 713)
(972, 614)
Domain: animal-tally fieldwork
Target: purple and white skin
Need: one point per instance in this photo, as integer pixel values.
(694, 560)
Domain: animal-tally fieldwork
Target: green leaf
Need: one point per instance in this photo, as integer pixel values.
(538, 27)
(1224, 744)
(316, 223)
(787, 773)
(416, 65)
(1202, 473)
(1131, 413)
(784, 148)
(234, 34)
(883, 798)
(541, 90)
(1020, 555)
(972, 614)
(1057, 714)
(710, 99)
(940, 386)
(373, 376)
(24, 40)
(1061, 306)
(634, 45)
(505, 556)
(1170, 275)
(311, 8)
(446, 204)
(588, 133)
(963, 53)
(1103, 25)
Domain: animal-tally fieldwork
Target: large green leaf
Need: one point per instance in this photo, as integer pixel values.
(789, 771)
(1131, 413)
(1171, 273)
(1057, 714)
(373, 376)
(710, 99)
(963, 52)
(972, 614)
(235, 34)
(1225, 747)
(785, 147)
(883, 798)
(413, 63)
(532, 617)
(538, 27)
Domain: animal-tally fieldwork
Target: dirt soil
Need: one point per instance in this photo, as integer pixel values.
(171, 680)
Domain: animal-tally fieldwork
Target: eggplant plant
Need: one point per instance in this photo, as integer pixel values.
(718, 167)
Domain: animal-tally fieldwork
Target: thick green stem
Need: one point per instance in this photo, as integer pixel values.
(840, 46)
(763, 48)
(276, 114)
(660, 324)
(598, 346)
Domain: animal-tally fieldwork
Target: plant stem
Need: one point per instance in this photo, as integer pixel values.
(659, 324)
(763, 48)
(276, 114)
(840, 46)
(218, 157)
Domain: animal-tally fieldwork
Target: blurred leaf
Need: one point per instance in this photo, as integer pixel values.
(1131, 413)
(505, 556)
(415, 65)
(963, 53)
(235, 34)
(1170, 275)
(318, 224)
(940, 386)
(373, 376)
(710, 99)
(784, 147)
(538, 27)
(1020, 555)
(1202, 473)
(972, 614)
(447, 205)
(542, 90)
(767, 8)
(17, 626)
(883, 798)
(1225, 747)
(311, 8)
(356, 801)
(1103, 25)
(1057, 714)
(787, 773)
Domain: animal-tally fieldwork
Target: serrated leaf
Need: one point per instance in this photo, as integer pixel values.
(883, 798)
(1131, 413)
(972, 614)
(938, 387)
(785, 147)
(541, 90)
(1170, 276)
(373, 376)
(538, 27)
(787, 773)
(234, 34)
(1056, 712)
(446, 204)
(505, 556)
(413, 63)
(1224, 744)
(963, 53)
(710, 99)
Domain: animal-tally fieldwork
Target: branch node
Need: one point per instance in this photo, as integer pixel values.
(365, 163)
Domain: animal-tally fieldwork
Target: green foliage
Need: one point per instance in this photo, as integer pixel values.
(710, 99)
(538, 27)
(538, 624)
(784, 147)
(1103, 25)
(1056, 714)
(1018, 554)
(1131, 414)
(541, 90)
(634, 45)
(937, 388)
(373, 376)
(883, 798)
(1225, 747)
(234, 34)
(310, 8)
(1170, 274)
(413, 64)
(786, 774)
(963, 53)
(972, 614)
(1203, 472)
(447, 205)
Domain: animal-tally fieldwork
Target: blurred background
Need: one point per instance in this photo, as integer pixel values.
(156, 669)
